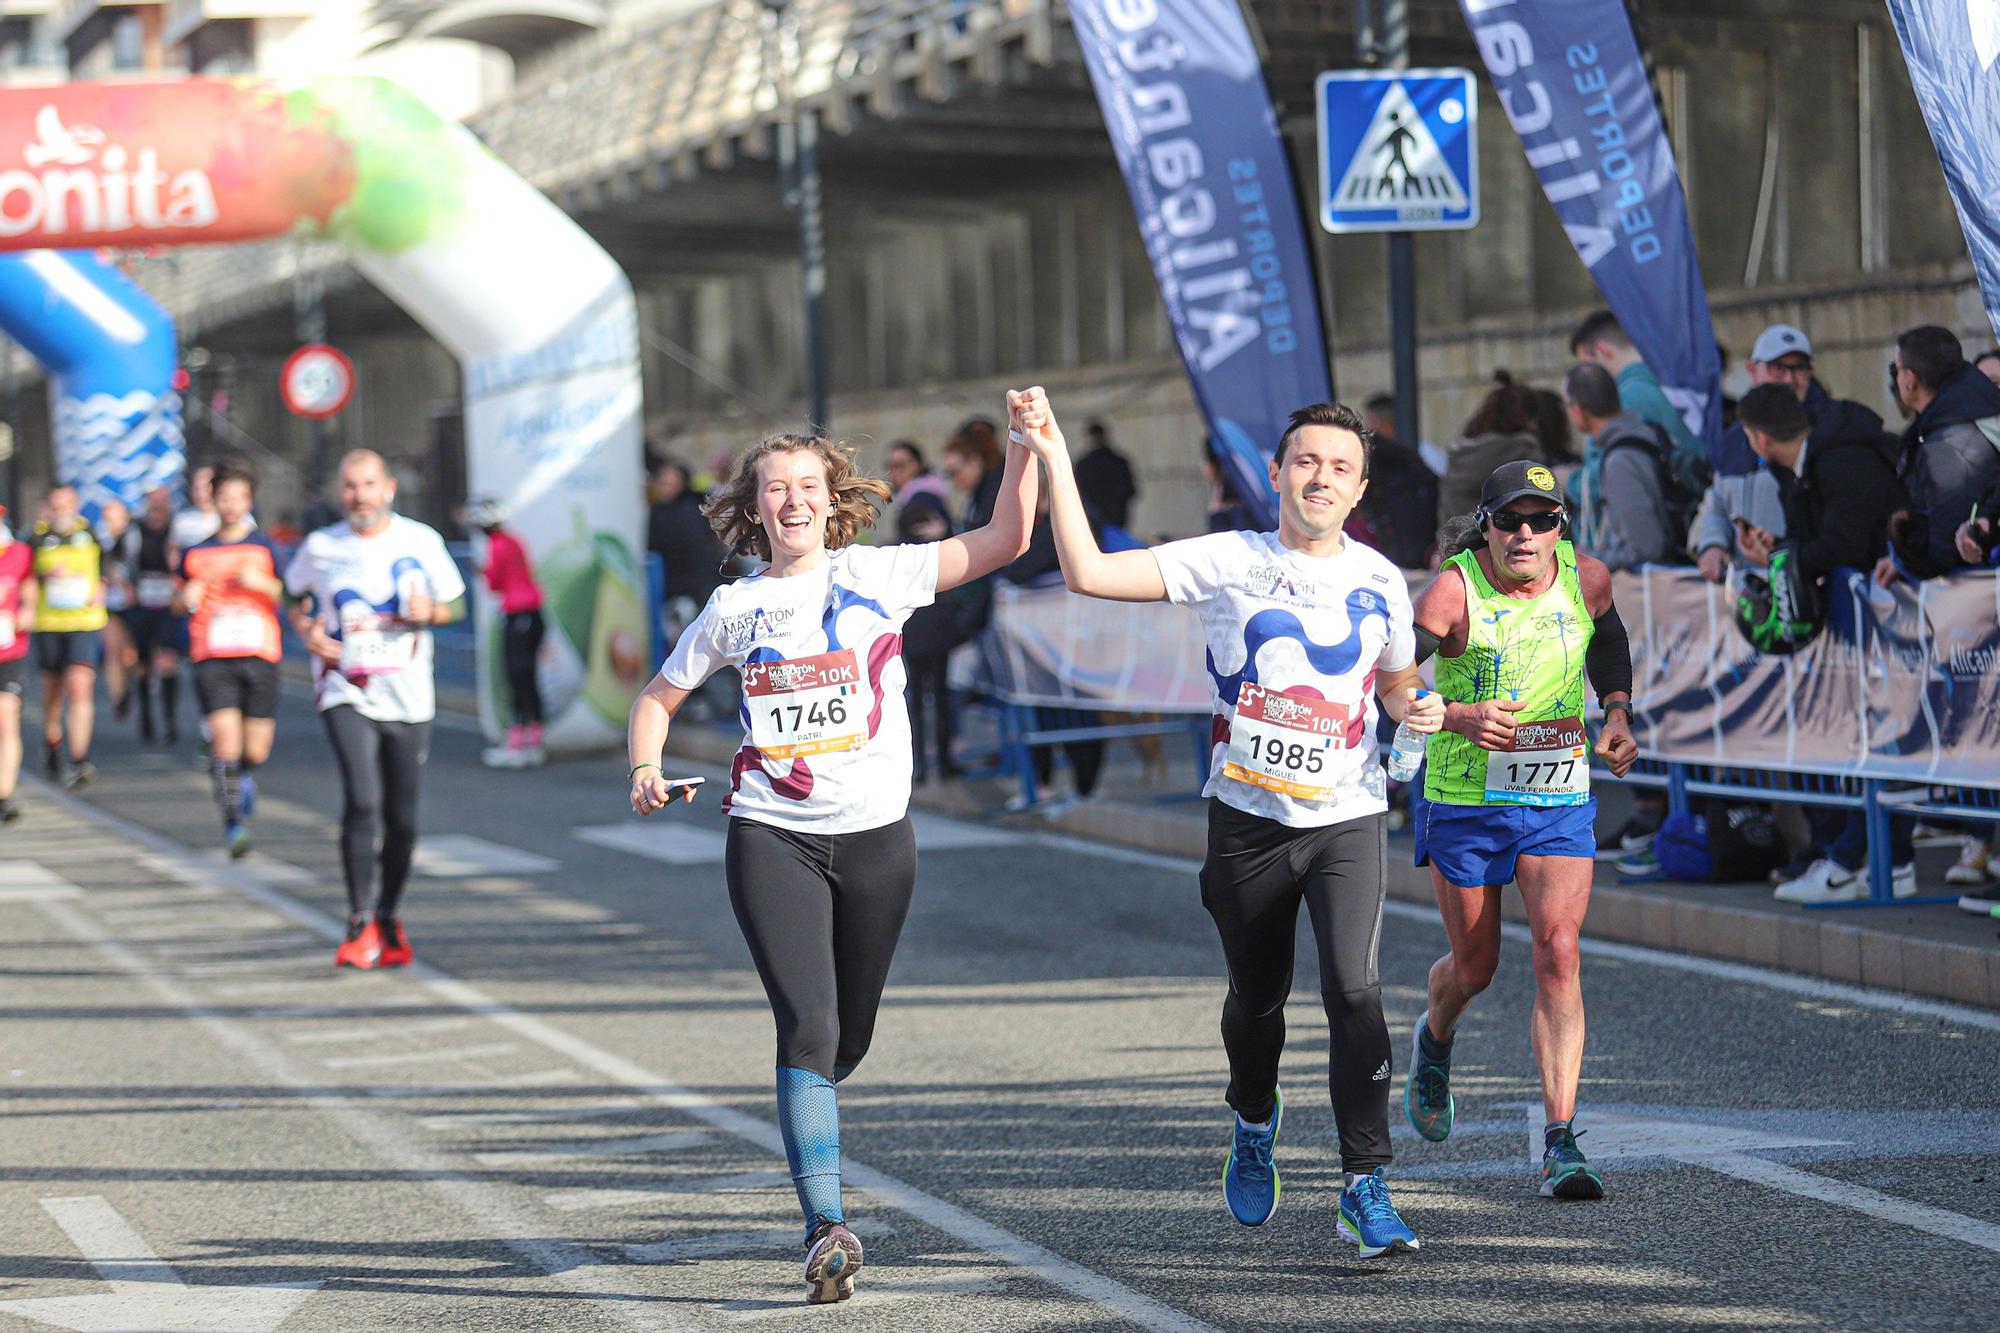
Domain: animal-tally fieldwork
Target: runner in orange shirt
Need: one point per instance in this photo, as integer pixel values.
(230, 590)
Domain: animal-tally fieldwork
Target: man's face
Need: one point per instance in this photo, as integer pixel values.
(1794, 370)
(1523, 555)
(1900, 382)
(160, 507)
(668, 485)
(232, 501)
(901, 467)
(63, 509)
(1989, 366)
(366, 492)
(201, 487)
(1319, 480)
(1381, 425)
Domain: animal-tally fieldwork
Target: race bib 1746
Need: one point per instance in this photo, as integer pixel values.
(1285, 744)
(1549, 764)
(807, 705)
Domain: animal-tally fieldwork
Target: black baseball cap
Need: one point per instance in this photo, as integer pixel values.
(1512, 481)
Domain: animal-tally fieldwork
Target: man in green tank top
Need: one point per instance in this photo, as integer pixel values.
(1518, 620)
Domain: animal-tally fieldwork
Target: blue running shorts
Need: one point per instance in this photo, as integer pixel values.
(1473, 845)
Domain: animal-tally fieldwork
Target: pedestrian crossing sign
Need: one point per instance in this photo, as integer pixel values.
(1398, 150)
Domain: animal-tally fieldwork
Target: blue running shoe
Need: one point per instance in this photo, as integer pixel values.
(247, 795)
(1249, 1180)
(1565, 1175)
(1369, 1222)
(1427, 1098)
(238, 838)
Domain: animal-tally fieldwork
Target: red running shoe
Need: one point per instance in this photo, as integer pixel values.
(395, 945)
(363, 951)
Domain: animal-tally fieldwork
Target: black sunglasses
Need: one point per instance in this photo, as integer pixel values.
(1508, 520)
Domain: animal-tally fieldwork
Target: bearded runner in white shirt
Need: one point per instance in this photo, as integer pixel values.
(1306, 628)
(821, 860)
(366, 594)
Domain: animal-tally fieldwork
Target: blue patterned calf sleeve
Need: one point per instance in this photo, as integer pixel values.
(809, 1118)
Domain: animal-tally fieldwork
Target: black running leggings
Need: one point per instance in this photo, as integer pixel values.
(380, 763)
(821, 913)
(520, 642)
(1257, 873)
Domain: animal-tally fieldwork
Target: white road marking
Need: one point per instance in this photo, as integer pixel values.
(1615, 1136)
(459, 855)
(238, 966)
(236, 990)
(679, 844)
(1859, 1198)
(448, 1056)
(380, 1032)
(583, 1151)
(582, 1200)
(118, 1253)
(540, 1078)
(198, 948)
(870, 1294)
(473, 1119)
(760, 1242)
(32, 882)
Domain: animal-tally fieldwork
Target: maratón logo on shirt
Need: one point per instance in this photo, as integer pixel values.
(741, 631)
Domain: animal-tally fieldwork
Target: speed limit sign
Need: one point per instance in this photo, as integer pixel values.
(317, 381)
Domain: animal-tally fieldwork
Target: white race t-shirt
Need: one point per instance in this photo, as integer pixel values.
(827, 735)
(1306, 634)
(385, 671)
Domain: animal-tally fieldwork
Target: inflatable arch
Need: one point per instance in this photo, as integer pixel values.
(541, 319)
(110, 354)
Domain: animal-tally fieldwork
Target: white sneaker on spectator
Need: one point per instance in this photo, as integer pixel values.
(1981, 902)
(1930, 835)
(1825, 882)
(1972, 866)
(1903, 881)
(1060, 806)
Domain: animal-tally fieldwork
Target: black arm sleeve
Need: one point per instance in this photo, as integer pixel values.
(1608, 660)
(1427, 643)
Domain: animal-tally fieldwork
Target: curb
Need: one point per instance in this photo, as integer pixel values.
(1787, 939)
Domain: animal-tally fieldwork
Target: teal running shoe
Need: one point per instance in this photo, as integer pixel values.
(1370, 1223)
(1249, 1180)
(238, 838)
(1565, 1175)
(1427, 1098)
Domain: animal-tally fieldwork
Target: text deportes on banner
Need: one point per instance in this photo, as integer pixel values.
(1193, 128)
(1571, 79)
(1952, 47)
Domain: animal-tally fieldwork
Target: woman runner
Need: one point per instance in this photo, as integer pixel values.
(820, 858)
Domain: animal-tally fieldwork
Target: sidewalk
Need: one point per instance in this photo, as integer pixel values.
(1936, 951)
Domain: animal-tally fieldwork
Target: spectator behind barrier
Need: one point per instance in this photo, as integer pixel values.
(1628, 521)
(1600, 341)
(1987, 363)
(1226, 510)
(1104, 478)
(1401, 502)
(1950, 453)
(1838, 492)
(931, 632)
(677, 532)
(1501, 430)
(972, 463)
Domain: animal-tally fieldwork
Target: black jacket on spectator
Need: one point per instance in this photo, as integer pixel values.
(1837, 513)
(1104, 480)
(931, 631)
(1949, 462)
(1401, 503)
(679, 534)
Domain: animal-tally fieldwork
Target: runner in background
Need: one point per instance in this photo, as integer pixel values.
(198, 520)
(17, 610)
(1312, 627)
(151, 557)
(230, 592)
(114, 531)
(821, 859)
(69, 628)
(367, 593)
(510, 576)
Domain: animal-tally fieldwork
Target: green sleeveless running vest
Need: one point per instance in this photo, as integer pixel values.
(1531, 650)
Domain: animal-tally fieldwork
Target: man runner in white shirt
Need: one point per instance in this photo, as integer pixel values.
(1305, 630)
(366, 593)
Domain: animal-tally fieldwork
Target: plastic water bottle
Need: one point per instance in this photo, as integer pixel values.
(1406, 752)
(409, 587)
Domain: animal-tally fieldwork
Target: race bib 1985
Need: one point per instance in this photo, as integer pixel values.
(1285, 744)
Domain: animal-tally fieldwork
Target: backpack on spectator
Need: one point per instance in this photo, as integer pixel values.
(1684, 480)
(1729, 845)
